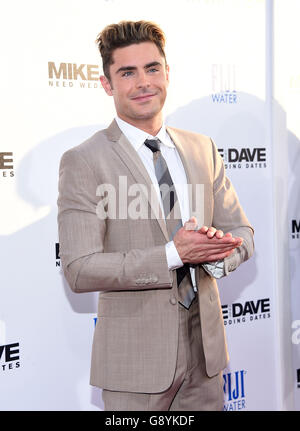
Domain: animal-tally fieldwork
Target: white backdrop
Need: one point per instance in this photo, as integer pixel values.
(221, 66)
(287, 92)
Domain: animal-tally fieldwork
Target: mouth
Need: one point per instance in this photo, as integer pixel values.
(143, 97)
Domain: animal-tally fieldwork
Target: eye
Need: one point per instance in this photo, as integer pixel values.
(153, 69)
(127, 73)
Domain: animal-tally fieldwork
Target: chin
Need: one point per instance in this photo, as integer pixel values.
(148, 115)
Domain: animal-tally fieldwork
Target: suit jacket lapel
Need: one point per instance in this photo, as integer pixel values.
(194, 176)
(182, 152)
(129, 156)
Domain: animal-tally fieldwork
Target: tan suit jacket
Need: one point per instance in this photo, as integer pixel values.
(135, 340)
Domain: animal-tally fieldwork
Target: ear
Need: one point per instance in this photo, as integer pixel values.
(167, 73)
(106, 85)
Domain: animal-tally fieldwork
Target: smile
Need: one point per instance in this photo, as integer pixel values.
(143, 97)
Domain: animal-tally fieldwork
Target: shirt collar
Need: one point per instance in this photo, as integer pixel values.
(137, 136)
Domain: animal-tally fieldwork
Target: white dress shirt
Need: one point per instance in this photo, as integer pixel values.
(137, 138)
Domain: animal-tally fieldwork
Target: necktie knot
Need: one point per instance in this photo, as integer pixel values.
(153, 144)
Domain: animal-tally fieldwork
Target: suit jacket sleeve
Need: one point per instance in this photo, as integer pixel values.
(86, 265)
(229, 216)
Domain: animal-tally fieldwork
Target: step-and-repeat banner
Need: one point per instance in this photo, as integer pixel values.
(287, 93)
(52, 100)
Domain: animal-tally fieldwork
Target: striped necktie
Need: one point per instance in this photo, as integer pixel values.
(173, 218)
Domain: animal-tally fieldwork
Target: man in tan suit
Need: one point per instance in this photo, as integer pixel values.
(159, 342)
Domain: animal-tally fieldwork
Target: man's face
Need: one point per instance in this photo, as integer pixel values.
(138, 82)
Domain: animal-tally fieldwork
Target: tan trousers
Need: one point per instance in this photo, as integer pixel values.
(191, 390)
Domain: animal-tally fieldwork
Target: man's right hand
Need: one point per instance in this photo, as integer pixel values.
(204, 244)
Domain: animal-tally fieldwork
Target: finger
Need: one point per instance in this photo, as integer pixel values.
(220, 248)
(191, 224)
(203, 229)
(215, 245)
(193, 219)
(227, 239)
(203, 240)
(219, 256)
(211, 232)
(219, 234)
(212, 251)
(239, 240)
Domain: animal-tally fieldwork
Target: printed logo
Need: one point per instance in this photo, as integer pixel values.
(249, 158)
(223, 79)
(249, 311)
(295, 229)
(9, 356)
(6, 165)
(57, 258)
(73, 75)
(234, 390)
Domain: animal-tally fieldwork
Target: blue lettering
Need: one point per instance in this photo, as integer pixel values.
(215, 97)
(235, 392)
(238, 391)
(226, 97)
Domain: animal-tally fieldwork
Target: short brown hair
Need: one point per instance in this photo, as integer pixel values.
(126, 33)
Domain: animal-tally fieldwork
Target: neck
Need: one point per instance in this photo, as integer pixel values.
(151, 126)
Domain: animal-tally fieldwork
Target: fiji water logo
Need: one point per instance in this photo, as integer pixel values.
(223, 84)
(234, 390)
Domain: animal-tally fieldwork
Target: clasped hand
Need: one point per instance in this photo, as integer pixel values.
(205, 244)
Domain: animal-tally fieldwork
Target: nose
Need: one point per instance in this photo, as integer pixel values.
(142, 80)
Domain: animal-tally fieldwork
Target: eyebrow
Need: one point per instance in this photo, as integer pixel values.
(128, 68)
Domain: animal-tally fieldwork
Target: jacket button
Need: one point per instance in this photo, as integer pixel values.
(173, 300)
